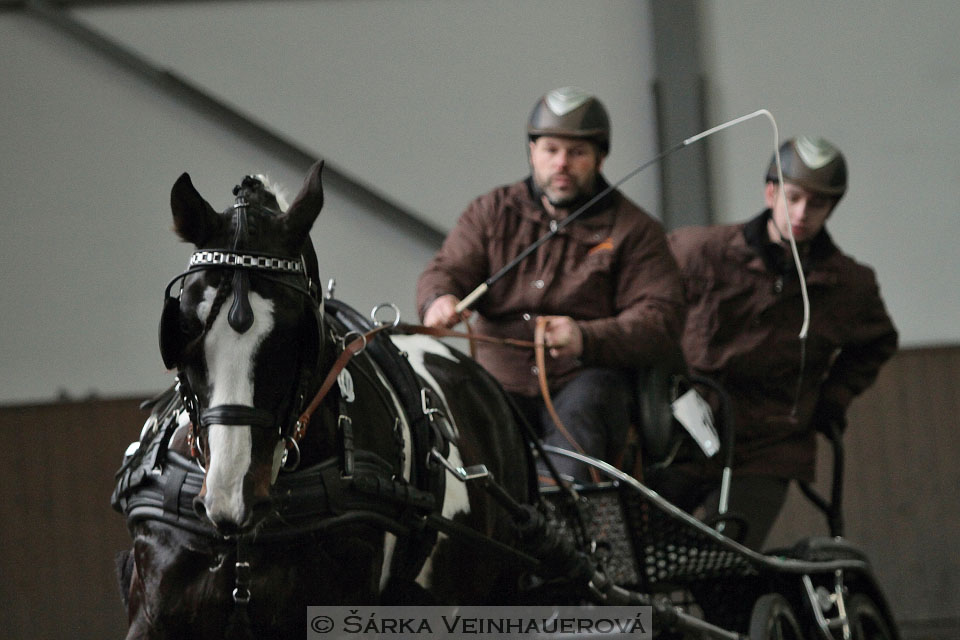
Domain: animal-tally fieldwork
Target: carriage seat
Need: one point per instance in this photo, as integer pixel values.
(655, 436)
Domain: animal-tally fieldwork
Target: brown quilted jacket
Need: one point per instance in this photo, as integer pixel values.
(742, 328)
(611, 270)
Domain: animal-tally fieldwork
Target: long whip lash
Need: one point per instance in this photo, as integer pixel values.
(474, 295)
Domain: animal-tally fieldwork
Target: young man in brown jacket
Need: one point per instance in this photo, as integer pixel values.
(744, 318)
(606, 283)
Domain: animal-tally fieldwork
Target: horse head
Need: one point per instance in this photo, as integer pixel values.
(245, 335)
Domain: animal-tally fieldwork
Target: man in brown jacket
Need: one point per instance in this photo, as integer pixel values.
(743, 324)
(606, 283)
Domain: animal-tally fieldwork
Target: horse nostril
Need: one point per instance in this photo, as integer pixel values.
(224, 526)
(199, 508)
(259, 510)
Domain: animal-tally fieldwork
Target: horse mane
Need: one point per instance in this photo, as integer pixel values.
(278, 190)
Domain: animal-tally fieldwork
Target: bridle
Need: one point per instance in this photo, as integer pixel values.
(287, 271)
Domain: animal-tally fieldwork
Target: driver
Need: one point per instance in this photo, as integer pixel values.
(606, 283)
(744, 319)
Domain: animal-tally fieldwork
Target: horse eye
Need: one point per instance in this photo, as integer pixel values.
(190, 325)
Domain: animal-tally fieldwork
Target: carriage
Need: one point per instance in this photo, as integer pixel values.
(308, 455)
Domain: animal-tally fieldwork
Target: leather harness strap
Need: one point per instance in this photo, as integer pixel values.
(358, 345)
(469, 335)
(539, 349)
(350, 350)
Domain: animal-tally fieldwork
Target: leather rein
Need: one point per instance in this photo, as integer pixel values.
(539, 347)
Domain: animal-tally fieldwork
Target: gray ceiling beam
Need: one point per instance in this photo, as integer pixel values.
(680, 98)
(226, 115)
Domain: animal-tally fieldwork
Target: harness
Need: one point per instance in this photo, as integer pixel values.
(429, 426)
(157, 483)
(430, 430)
(281, 270)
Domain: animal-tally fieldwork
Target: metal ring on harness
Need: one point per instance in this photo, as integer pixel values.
(359, 336)
(387, 305)
(290, 445)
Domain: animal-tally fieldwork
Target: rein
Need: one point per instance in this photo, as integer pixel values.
(469, 335)
(359, 344)
(539, 347)
(350, 350)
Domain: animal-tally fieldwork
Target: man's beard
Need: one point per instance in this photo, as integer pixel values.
(569, 202)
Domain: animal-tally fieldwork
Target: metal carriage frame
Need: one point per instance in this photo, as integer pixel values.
(704, 584)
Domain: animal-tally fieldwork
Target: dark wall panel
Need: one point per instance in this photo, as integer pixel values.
(902, 483)
(59, 536)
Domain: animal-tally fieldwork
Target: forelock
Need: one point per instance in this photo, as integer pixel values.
(278, 191)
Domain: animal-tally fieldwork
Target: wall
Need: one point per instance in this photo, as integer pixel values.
(91, 153)
(900, 503)
(426, 100)
(58, 535)
(882, 81)
(422, 102)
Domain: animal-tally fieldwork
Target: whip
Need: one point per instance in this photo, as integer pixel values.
(477, 293)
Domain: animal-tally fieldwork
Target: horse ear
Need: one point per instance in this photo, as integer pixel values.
(306, 206)
(194, 220)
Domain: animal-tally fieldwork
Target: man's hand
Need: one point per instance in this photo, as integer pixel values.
(562, 337)
(442, 312)
(827, 414)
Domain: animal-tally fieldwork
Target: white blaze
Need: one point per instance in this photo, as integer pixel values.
(230, 358)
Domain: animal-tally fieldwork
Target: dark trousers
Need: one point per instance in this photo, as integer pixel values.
(595, 408)
(755, 499)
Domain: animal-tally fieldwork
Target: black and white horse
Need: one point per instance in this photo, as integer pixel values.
(226, 534)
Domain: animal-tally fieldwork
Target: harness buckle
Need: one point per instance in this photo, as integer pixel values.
(425, 405)
(290, 446)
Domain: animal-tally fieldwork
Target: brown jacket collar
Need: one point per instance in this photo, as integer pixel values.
(754, 244)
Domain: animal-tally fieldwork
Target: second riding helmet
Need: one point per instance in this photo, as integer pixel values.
(812, 163)
(570, 112)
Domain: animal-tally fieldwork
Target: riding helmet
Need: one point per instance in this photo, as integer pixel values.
(573, 113)
(812, 163)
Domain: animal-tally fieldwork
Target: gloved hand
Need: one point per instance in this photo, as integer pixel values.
(828, 413)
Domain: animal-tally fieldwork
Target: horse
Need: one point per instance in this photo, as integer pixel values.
(305, 456)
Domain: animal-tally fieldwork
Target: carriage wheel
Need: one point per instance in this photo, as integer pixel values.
(773, 618)
(866, 621)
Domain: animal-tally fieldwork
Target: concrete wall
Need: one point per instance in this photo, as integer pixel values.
(423, 101)
(881, 80)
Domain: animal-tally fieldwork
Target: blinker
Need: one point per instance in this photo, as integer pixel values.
(172, 337)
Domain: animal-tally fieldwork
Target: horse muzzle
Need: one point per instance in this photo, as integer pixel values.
(235, 496)
(236, 513)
